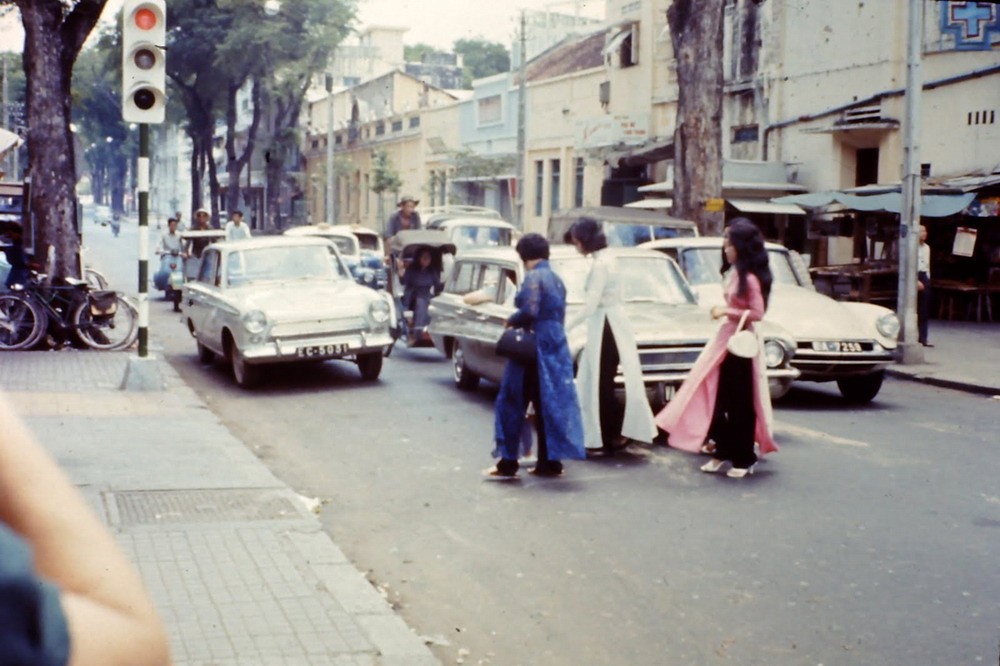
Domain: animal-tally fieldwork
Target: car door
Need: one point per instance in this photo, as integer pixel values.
(447, 311)
(198, 295)
(500, 280)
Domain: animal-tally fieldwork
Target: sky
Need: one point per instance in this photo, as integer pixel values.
(435, 22)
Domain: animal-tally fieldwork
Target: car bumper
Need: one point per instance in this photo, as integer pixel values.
(820, 367)
(317, 348)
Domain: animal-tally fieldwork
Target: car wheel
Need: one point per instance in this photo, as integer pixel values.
(465, 379)
(861, 390)
(245, 375)
(205, 355)
(370, 365)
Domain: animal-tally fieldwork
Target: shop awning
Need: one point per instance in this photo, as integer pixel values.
(763, 206)
(931, 205)
(651, 204)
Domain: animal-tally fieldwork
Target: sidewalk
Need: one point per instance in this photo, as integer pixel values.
(240, 570)
(965, 356)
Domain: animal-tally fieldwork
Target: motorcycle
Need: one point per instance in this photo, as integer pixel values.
(170, 278)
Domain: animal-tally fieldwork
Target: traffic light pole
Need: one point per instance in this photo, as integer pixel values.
(142, 176)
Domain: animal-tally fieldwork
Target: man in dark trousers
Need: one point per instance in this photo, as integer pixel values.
(923, 287)
(405, 218)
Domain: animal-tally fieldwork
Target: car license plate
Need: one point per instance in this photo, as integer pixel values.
(833, 346)
(319, 351)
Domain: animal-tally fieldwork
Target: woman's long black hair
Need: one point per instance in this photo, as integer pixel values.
(751, 256)
(588, 231)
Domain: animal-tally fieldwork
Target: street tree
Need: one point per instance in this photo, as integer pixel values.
(481, 58)
(416, 52)
(384, 178)
(696, 32)
(108, 145)
(54, 32)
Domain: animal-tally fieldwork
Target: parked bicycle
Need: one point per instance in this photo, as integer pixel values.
(69, 310)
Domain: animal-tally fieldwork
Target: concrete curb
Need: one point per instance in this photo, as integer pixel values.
(942, 382)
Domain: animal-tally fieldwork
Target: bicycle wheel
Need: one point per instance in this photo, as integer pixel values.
(94, 278)
(106, 331)
(22, 322)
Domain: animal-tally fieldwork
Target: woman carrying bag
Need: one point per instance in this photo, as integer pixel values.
(725, 395)
(546, 382)
(610, 342)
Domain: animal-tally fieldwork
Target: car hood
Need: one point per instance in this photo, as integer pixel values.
(318, 298)
(664, 323)
(804, 313)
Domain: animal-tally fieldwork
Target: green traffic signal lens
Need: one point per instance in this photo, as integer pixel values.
(144, 99)
(144, 59)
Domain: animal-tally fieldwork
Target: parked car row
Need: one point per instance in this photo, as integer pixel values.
(263, 301)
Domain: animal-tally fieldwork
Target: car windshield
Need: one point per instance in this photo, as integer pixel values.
(702, 265)
(643, 280)
(368, 242)
(631, 235)
(480, 236)
(345, 244)
(265, 264)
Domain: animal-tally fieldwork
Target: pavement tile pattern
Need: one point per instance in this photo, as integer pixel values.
(239, 569)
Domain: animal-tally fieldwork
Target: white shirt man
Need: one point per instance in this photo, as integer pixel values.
(235, 229)
(171, 241)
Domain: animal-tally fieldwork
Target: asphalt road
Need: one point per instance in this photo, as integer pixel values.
(870, 538)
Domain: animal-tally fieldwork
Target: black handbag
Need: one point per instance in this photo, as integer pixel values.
(518, 344)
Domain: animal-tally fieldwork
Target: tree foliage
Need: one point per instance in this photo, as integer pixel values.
(416, 52)
(481, 58)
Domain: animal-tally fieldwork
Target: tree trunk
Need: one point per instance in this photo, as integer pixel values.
(52, 40)
(235, 163)
(697, 37)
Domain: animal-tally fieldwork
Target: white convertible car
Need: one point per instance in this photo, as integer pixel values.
(850, 343)
(284, 299)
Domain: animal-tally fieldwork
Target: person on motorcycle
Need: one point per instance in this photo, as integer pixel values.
(171, 240)
(421, 281)
(201, 223)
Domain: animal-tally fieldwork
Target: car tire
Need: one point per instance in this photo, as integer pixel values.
(861, 390)
(465, 379)
(205, 355)
(244, 374)
(370, 365)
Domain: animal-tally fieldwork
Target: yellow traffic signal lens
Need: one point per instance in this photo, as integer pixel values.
(144, 99)
(145, 19)
(144, 59)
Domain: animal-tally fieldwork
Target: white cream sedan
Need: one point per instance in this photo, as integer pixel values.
(849, 343)
(284, 299)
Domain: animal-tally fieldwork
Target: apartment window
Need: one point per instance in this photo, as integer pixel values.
(489, 110)
(554, 204)
(745, 133)
(539, 185)
(622, 50)
(397, 125)
(578, 185)
(380, 129)
(414, 122)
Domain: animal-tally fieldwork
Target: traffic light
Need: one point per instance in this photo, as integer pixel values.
(144, 62)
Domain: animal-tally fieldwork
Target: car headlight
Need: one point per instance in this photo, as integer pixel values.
(255, 321)
(774, 353)
(888, 325)
(379, 311)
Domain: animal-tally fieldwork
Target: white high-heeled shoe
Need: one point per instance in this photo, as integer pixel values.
(740, 472)
(713, 466)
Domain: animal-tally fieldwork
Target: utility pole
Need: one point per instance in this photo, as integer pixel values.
(331, 180)
(521, 130)
(910, 350)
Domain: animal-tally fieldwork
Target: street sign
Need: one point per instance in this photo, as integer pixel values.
(715, 205)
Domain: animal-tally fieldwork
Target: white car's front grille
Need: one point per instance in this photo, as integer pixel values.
(318, 328)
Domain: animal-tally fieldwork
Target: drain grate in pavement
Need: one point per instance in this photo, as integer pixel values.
(154, 507)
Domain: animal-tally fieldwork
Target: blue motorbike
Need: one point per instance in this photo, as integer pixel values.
(170, 278)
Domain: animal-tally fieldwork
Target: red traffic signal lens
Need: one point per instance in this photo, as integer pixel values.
(144, 99)
(144, 59)
(145, 19)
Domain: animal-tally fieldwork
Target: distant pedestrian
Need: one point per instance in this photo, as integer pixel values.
(726, 397)
(236, 229)
(610, 343)
(180, 221)
(546, 385)
(405, 218)
(923, 287)
(20, 271)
